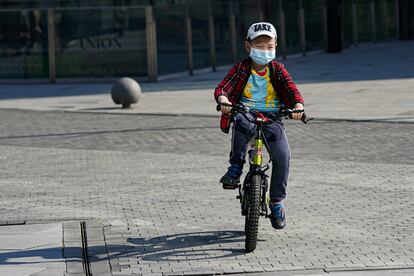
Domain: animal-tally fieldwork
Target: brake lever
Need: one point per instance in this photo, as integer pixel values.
(305, 120)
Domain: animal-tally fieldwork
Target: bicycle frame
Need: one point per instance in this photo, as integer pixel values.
(256, 161)
(257, 157)
(254, 193)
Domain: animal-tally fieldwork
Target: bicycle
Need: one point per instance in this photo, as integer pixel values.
(254, 193)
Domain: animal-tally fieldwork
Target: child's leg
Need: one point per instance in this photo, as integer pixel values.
(280, 156)
(242, 132)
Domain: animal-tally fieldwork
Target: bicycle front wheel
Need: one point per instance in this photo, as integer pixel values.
(253, 213)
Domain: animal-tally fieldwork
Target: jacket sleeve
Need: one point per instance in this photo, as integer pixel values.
(293, 90)
(227, 85)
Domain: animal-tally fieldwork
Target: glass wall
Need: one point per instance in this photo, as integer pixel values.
(23, 44)
(200, 33)
(373, 19)
(314, 24)
(223, 46)
(108, 38)
(101, 42)
(171, 38)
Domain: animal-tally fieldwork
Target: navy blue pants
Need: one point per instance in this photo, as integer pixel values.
(277, 146)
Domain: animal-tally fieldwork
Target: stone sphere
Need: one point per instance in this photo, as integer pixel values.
(125, 91)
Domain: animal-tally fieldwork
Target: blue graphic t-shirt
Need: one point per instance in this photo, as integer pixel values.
(259, 93)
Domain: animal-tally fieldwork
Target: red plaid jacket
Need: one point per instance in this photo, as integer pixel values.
(233, 85)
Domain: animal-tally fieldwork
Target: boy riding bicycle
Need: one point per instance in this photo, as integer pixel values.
(263, 85)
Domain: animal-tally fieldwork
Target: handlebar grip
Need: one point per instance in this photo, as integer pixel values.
(218, 106)
(297, 111)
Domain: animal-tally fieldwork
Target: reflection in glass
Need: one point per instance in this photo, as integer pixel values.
(23, 44)
(108, 42)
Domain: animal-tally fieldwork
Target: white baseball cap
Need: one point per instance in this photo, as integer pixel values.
(261, 28)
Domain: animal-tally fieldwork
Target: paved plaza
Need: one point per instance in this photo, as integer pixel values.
(152, 182)
(146, 185)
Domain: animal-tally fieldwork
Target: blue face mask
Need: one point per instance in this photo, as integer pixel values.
(262, 57)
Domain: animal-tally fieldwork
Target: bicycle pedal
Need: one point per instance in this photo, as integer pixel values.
(230, 187)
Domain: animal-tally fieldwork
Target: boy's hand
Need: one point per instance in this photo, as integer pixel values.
(297, 116)
(223, 108)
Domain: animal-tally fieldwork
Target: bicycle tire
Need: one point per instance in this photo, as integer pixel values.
(253, 213)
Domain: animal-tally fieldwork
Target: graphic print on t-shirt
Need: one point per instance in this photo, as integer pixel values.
(259, 93)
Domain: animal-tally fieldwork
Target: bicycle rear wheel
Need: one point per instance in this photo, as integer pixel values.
(253, 213)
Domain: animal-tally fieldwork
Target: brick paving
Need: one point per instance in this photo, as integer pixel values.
(152, 183)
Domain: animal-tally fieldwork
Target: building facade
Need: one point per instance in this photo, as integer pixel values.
(90, 39)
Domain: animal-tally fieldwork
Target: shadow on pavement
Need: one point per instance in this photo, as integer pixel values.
(103, 132)
(180, 247)
(32, 255)
(29, 91)
(189, 246)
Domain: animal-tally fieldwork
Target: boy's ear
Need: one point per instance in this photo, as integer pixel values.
(247, 46)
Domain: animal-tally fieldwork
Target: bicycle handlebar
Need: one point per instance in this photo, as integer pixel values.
(287, 113)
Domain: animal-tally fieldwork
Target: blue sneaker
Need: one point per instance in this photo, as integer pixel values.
(231, 180)
(277, 217)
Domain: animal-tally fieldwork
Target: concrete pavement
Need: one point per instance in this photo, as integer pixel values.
(31, 250)
(372, 272)
(59, 167)
(151, 183)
